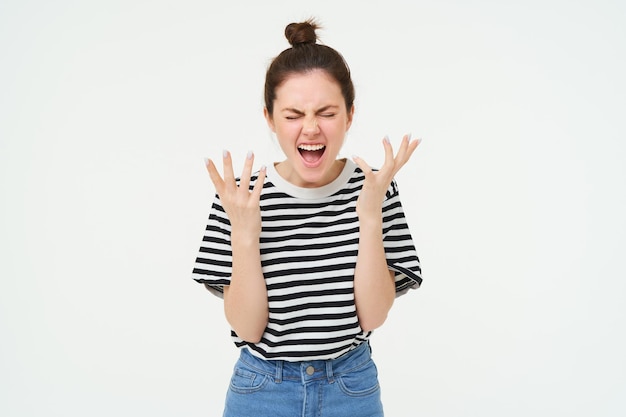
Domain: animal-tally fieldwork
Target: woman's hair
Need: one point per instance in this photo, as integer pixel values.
(306, 55)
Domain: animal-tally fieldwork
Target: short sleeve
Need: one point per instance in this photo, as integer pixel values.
(399, 247)
(213, 265)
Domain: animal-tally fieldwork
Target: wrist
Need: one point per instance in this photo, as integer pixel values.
(373, 223)
(243, 240)
(370, 216)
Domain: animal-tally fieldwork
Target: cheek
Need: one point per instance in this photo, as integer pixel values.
(336, 129)
(288, 129)
(286, 132)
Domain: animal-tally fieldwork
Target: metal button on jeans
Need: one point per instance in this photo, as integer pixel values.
(310, 370)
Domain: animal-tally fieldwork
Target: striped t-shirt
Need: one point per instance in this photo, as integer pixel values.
(309, 243)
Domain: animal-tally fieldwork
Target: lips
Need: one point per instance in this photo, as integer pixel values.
(311, 154)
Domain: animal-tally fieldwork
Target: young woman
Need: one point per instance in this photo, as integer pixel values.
(308, 253)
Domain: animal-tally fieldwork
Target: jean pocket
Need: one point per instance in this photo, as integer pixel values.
(245, 381)
(361, 381)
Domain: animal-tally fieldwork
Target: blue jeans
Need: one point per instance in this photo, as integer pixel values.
(346, 386)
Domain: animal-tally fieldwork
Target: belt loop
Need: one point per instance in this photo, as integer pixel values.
(329, 371)
(278, 377)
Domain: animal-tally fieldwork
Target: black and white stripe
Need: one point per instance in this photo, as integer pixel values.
(309, 243)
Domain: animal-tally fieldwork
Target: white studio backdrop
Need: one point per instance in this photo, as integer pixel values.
(516, 197)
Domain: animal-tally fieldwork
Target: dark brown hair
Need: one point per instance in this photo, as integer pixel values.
(303, 56)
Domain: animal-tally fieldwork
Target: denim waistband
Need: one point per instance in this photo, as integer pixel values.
(307, 371)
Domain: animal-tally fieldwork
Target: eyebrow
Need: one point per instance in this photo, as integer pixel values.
(320, 110)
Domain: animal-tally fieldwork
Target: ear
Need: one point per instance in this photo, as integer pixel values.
(350, 116)
(269, 119)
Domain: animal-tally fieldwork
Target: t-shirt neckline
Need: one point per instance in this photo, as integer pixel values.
(311, 193)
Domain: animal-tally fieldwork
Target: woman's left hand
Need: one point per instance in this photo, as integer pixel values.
(377, 182)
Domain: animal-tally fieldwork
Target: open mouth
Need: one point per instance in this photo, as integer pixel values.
(311, 153)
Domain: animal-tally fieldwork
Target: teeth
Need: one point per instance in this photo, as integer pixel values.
(311, 147)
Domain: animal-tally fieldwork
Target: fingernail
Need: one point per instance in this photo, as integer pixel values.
(206, 161)
(263, 168)
(225, 153)
(355, 157)
(249, 155)
(408, 136)
(386, 139)
(419, 140)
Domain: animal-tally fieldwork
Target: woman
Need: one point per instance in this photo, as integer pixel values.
(308, 253)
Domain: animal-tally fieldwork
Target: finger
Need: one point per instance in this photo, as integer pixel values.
(227, 163)
(404, 153)
(244, 183)
(367, 170)
(411, 147)
(258, 186)
(407, 148)
(216, 179)
(389, 160)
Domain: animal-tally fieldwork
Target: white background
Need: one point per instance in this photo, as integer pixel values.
(516, 197)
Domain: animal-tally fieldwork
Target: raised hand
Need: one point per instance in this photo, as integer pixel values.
(377, 182)
(241, 204)
(245, 298)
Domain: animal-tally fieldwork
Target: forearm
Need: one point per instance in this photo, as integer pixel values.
(374, 287)
(245, 300)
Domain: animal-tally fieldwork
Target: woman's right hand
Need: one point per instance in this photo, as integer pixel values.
(241, 205)
(245, 298)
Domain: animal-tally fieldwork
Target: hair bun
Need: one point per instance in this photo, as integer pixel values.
(301, 33)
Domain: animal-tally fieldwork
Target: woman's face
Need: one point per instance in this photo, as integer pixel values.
(310, 120)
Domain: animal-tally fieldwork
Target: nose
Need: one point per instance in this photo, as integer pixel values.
(310, 126)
